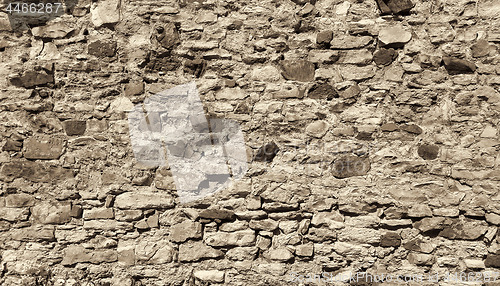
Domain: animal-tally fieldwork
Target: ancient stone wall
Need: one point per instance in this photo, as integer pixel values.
(370, 130)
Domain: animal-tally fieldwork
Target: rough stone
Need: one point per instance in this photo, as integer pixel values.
(390, 239)
(237, 238)
(480, 49)
(347, 42)
(185, 230)
(324, 38)
(102, 48)
(299, 70)
(51, 212)
(351, 166)
(355, 73)
(52, 31)
(266, 153)
(322, 91)
(394, 36)
(143, 200)
(106, 12)
(74, 127)
(213, 276)
(265, 224)
(317, 129)
(168, 36)
(458, 66)
(217, 214)
(385, 56)
(428, 151)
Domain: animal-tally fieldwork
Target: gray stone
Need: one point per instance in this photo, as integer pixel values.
(279, 254)
(74, 127)
(348, 42)
(299, 70)
(350, 166)
(217, 214)
(237, 238)
(196, 250)
(317, 129)
(242, 253)
(144, 200)
(185, 230)
(43, 147)
(306, 250)
(421, 259)
(457, 66)
(51, 212)
(265, 224)
(432, 223)
(465, 229)
(355, 73)
(98, 213)
(34, 233)
(19, 201)
(102, 48)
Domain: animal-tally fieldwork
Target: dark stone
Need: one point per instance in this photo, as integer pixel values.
(195, 67)
(480, 49)
(102, 48)
(12, 145)
(302, 2)
(266, 153)
(384, 9)
(43, 147)
(299, 70)
(34, 172)
(76, 211)
(74, 127)
(390, 239)
(163, 64)
(367, 136)
(385, 56)
(458, 66)
(492, 260)
(33, 78)
(322, 91)
(324, 38)
(351, 91)
(168, 36)
(389, 127)
(242, 108)
(351, 166)
(467, 229)
(428, 152)
(412, 128)
(134, 88)
(396, 6)
(217, 214)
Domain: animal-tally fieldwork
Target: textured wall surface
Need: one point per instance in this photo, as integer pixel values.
(379, 122)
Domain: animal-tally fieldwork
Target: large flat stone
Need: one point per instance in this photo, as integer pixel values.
(185, 230)
(43, 147)
(237, 238)
(347, 42)
(144, 200)
(33, 171)
(51, 212)
(34, 233)
(197, 250)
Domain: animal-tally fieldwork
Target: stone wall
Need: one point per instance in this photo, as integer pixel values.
(405, 92)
